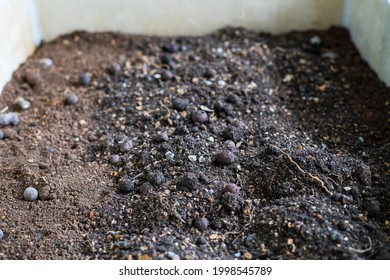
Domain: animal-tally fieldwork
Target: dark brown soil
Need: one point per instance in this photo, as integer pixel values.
(301, 128)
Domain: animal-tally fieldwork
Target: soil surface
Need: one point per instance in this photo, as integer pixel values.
(235, 145)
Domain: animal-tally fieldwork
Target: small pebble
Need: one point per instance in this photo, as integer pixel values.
(180, 104)
(232, 188)
(145, 188)
(201, 223)
(169, 155)
(85, 78)
(199, 116)
(114, 159)
(107, 142)
(224, 158)
(72, 99)
(46, 62)
(162, 137)
(126, 146)
(221, 83)
(72, 157)
(9, 119)
(248, 256)
(192, 158)
(330, 55)
(229, 144)
(114, 69)
(1, 135)
(315, 40)
(172, 256)
(33, 77)
(1, 234)
(210, 73)
(125, 184)
(166, 75)
(22, 103)
(30, 194)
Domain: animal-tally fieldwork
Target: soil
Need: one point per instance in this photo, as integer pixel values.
(235, 145)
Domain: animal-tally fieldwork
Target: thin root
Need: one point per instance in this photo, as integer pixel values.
(315, 178)
(364, 250)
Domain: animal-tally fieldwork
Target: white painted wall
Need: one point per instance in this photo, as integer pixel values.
(16, 36)
(23, 22)
(185, 17)
(369, 25)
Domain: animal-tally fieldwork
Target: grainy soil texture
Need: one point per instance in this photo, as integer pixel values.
(234, 145)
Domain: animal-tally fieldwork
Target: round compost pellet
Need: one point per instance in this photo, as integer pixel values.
(30, 194)
(166, 75)
(114, 159)
(72, 99)
(145, 188)
(33, 77)
(200, 116)
(210, 73)
(107, 142)
(232, 188)
(201, 223)
(180, 104)
(224, 158)
(126, 146)
(114, 69)
(85, 78)
(125, 184)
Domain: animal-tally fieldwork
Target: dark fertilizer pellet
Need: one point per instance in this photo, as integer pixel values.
(85, 78)
(201, 223)
(166, 75)
(125, 184)
(145, 188)
(107, 142)
(210, 73)
(126, 146)
(224, 158)
(201, 240)
(72, 99)
(33, 77)
(199, 116)
(180, 104)
(114, 159)
(114, 69)
(231, 188)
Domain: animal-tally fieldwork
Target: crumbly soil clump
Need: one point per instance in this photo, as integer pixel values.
(235, 145)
